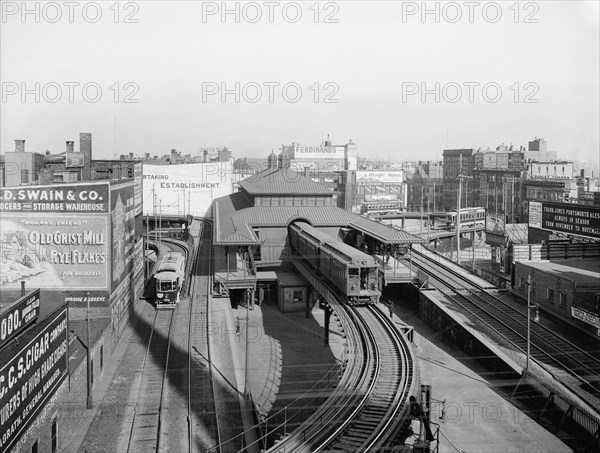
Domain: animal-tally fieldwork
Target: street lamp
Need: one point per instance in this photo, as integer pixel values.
(535, 319)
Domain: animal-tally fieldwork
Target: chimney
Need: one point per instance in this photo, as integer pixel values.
(205, 155)
(70, 146)
(85, 147)
(147, 156)
(307, 172)
(19, 146)
(131, 156)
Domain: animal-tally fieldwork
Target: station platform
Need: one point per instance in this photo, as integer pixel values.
(395, 271)
(468, 404)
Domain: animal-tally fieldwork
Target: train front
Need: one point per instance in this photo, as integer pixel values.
(363, 282)
(167, 288)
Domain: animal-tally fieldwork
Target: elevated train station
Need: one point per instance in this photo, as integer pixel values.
(251, 244)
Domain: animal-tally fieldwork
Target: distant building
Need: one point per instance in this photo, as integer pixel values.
(21, 167)
(456, 162)
(424, 187)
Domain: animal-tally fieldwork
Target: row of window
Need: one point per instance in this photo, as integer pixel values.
(293, 201)
(550, 296)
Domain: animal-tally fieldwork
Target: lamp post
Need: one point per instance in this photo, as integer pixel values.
(536, 319)
(87, 350)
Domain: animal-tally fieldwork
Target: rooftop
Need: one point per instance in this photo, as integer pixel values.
(279, 181)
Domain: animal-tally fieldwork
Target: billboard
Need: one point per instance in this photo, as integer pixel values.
(363, 176)
(566, 218)
(137, 196)
(29, 375)
(74, 198)
(18, 316)
(325, 165)
(124, 231)
(318, 152)
(186, 188)
(59, 251)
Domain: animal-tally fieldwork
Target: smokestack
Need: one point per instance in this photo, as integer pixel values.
(205, 155)
(19, 146)
(85, 147)
(70, 146)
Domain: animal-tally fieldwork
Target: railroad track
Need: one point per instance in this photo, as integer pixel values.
(561, 357)
(145, 428)
(370, 403)
(203, 423)
(378, 418)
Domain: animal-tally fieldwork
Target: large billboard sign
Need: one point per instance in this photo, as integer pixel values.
(186, 188)
(19, 315)
(566, 218)
(60, 251)
(73, 198)
(29, 376)
(318, 152)
(124, 232)
(363, 177)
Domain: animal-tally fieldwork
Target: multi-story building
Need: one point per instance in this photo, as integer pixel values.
(21, 167)
(497, 181)
(424, 187)
(457, 166)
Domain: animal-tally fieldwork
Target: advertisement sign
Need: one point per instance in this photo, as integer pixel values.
(124, 233)
(29, 376)
(318, 152)
(502, 161)
(18, 316)
(489, 160)
(72, 198)
(185, 189)
(325, 165)
(363, 176)
(54, 251)
(581, 220)
(535, 214)
(137, 194)
(585, 316)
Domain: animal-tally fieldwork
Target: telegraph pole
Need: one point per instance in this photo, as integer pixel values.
(457, 220)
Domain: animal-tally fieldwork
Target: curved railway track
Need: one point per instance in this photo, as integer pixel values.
(384, 408)
(547, 347)
(370, 404)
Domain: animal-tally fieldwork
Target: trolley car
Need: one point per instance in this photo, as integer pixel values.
(169, 279)
(469, 218)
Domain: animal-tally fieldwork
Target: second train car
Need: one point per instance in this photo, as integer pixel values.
(354, 273)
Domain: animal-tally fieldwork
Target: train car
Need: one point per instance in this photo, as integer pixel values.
(169, 278)
(354, 273)
(382, 207)
(469, 218)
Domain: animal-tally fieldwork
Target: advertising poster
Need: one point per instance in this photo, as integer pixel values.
(124, 231)
(53, 251)
(363, 176)
(569, 218)
(185, 189)
(19, 315)
(30, 373)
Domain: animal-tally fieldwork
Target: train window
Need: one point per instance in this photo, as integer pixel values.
(353, 272)
(562, 300)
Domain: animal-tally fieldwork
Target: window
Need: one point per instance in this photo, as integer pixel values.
(54, 436)
(353, 272)
(550, 295)
(101, 357)
(297, 296)
(562, 301)
(34, 447)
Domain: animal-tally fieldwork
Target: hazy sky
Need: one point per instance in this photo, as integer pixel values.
(504, 74)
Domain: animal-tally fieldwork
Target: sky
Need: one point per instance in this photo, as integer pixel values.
(403, 80)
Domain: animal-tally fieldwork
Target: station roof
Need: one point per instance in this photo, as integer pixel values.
(279, 181)
(235, 217)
